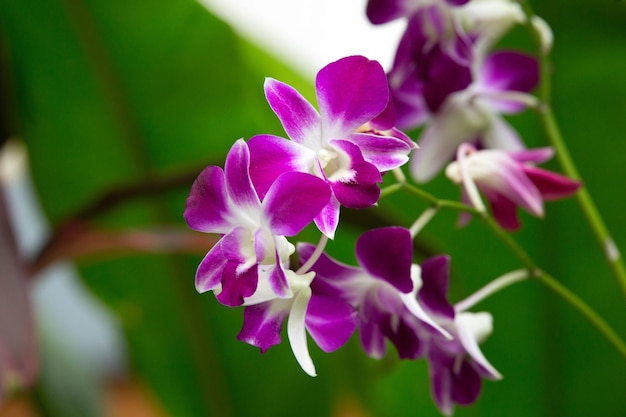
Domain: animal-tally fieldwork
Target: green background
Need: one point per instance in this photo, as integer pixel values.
(106, 93)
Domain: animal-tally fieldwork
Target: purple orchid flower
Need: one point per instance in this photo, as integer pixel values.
(508, 180)
(384, 11)
(343, 143)
(456, 365)
(500, 86)
(329, 320)
(254, 245)
(383, 289)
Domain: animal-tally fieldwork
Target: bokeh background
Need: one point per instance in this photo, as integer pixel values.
(107, 95)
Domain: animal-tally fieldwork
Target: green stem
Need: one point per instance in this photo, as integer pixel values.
(584, 309)
(554, 136)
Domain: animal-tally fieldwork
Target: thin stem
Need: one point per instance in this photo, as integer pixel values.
(554, 136)
(423, 220)
(583, 308)
(319, 249)
(494, 286)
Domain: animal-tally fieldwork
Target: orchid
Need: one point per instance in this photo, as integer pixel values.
(338, 143)
(456, 364)
(253, 245)
(329, 320)
(383, 289)
(508, 180)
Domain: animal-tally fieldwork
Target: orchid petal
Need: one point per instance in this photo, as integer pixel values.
(298, 117)
(551, 186)
(293, 201)
(471, 328)
(384, 152)
(536, 155)
(297, 333)
(262, 324)
(330, 322)
(467, 384)
(328, 218)
(238, 182)
(209, 272)
(206, 208)
(503, 210)
(237, 284)
(350, 92)
(271, 156)
(433, 294)
(386, 253)
(501, 135)
(509, 71)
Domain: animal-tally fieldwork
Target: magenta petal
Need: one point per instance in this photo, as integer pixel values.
(386, 253)
(433, 295)
(467, 384)
(236, 285)
(510, 70)
(238, 181)
(441, 379)
(372, 339)
(206, 208)
(298, 117)
(262, 325)
(330, 322)
(536, 155)
(271, 156)
(551, 186)
(293, 201)
(384, 152)
(360, 191)
(209, 272)
(278, 280)
(504, 211)
(383, 11)
(328, 218)
(350, 92)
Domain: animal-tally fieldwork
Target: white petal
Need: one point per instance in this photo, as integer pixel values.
(473, 328)
(296, 331)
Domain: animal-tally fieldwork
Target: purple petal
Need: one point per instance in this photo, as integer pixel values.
(466, 385)
(350, 92)
(293, 201)
(537, 155)
(445, 76)
(209, 272)
(384, 152)
(404, 338)
(551, 186)
(504, 211)
(510, 71)
(387, 253)
(206, 208)
(386, 119)
(271, 156)
(328, 218)
(433, 295)
(262, 324)
(330, 322)
(360, 191)
(238, 181)
(237, 285)
(298, 117)
(441, 379)
(383, 11)
(278, 280)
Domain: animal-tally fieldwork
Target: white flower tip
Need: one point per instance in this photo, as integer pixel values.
(611, 251)
(545, 33)
(12, 161)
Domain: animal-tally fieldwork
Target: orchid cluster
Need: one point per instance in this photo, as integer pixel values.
(445, 80)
